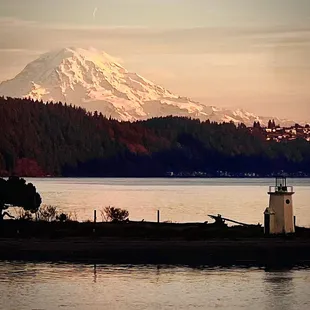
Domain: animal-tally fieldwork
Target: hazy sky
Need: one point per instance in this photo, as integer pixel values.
(253, 54)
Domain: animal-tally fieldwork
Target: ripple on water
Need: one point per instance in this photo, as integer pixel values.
(80, 286)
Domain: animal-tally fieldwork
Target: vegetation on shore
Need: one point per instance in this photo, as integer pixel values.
(15, 192)
(150, 243)
(44, 233)
(59, 140)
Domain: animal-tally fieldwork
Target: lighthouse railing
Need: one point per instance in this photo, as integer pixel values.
(281, 189)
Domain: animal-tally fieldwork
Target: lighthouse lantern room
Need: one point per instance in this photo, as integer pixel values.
(279, 216)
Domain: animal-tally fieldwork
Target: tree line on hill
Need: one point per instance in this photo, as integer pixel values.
(57, 139)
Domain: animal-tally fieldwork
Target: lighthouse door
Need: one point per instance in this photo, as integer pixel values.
(267, 224)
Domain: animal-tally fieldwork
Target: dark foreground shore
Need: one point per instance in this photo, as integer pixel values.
(151, 243)
(219, 252)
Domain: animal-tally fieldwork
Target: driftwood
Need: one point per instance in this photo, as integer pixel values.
(219, 220)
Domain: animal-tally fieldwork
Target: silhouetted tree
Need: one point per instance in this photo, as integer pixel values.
(14, 192)
(111, 214)
(47, 213)
(271, 124)
(256, 124)
(62, 217)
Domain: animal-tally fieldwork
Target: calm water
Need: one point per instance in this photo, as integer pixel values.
(64, 286)
(179, 200)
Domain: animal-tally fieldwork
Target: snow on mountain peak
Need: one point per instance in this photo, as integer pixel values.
(56, 57)
(96, 81)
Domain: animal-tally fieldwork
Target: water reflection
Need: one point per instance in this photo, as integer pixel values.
(95, 286)
(95, 273)
(279, 287)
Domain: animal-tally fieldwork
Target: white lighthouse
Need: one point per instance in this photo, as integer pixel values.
(279, 216)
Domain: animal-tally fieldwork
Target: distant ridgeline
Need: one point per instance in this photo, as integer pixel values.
(55, 139)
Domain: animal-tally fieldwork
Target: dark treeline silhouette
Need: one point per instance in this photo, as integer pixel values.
(56, 139)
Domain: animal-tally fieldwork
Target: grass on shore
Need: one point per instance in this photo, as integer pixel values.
(135, 230)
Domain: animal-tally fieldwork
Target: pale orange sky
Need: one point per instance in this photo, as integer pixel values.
(237, 53)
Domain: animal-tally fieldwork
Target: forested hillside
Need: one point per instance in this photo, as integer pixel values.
(54, 139)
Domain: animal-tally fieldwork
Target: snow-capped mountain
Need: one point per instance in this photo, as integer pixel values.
(94, 80)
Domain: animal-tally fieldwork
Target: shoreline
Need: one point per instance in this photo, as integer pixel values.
(259, 252)
(152, 243)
